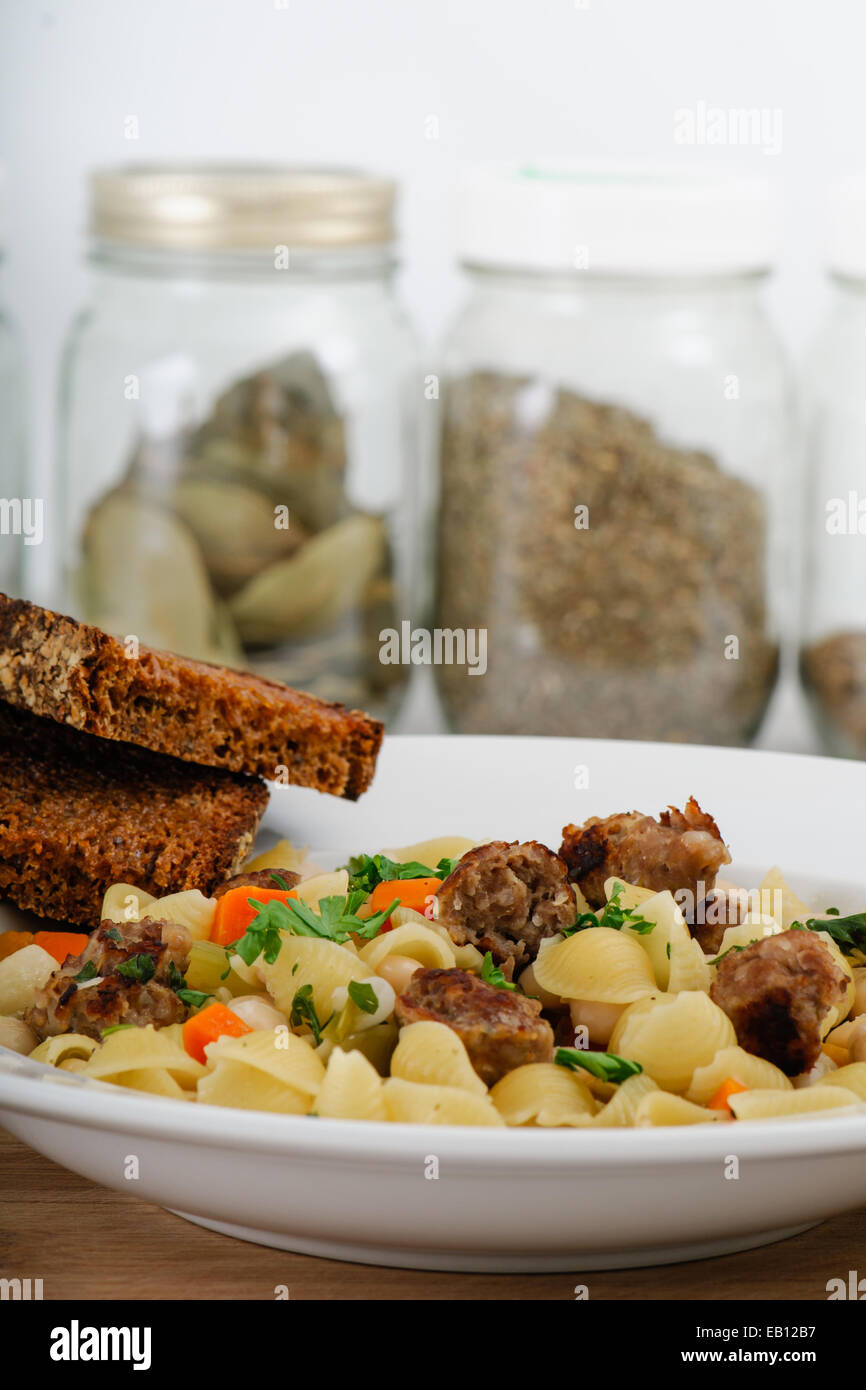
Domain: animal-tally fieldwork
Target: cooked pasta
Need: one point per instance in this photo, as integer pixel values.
(275, 1066)
(773, 1104)
(621, 1110)
(599, 964)
(663, 1108)
(21, 975)
(352, 1089)
(147, 1054)
(671, 1035)
(413, 938)
(304, 960)
(545, 1095)
(433, 1054)
(745, 1068)
(411, 1102)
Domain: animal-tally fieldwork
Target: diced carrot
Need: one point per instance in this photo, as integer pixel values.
(837, 1054)
(61, 944)
(729, 1087)
(216, 1021)
(412, 892)
(234, 911)
(12, 941)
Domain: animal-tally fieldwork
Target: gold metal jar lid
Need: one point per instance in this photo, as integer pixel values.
(240, 207)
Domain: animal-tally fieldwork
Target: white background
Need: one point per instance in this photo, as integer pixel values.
(356, 81)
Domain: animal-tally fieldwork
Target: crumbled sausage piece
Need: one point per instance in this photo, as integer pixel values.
(682, 850)
(500, 1028)
(776, 993)
(506, 899)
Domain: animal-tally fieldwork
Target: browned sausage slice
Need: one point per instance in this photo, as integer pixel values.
(682, 850)
(500, 1028)
(776, 993)
(505, 899)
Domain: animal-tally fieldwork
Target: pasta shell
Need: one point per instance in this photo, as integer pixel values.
(144, 1049)
(767, 1105)
(621, 1110)
(852, 1077)
(543, 1094)
(662, 1108)
(306, 960)
(598, 964)
(433, 1054)
(123, 902)
(283, 1055)
(414, 939)
(672, 1035)
(352, 1089)
(21, 975)
(246, 1088)
(54, 1051)
(752, 1072)
(409, 1102)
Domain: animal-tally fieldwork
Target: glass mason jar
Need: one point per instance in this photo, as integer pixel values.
(612, 445)
(833, 638)
(238, 431)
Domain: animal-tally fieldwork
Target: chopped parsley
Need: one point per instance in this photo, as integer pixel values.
(194, 998)
(281, 883)
(849, 933)
(336, 920)
(606, 1066)
(613, 915)
(366, 871)
(88, 971)
(492, 975)
(304, 1011)
(140, 968)
(363, 995)
(115, 1028)
(114, 934)
(735, 947)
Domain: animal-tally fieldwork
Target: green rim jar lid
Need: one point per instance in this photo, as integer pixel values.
(612, 220)
(240, 207)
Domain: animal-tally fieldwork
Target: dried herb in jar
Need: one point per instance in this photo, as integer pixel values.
(611, 571)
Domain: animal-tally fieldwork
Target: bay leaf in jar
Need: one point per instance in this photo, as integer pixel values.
(235, 527)
(313, 588)
(279, 430)
(142, 574)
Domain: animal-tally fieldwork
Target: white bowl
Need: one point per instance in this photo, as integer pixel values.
(500, 1200)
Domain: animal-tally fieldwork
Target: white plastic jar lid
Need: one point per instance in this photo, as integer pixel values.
(614, 221)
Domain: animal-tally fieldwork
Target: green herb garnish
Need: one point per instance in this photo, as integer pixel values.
(613, 915)
(281, 882)
(849, 933)
(366, 871)
(492, 975)
(604, 1065)
(87, 972)
(195, 998)
(140, 968)
(175, 978)
(114, 934)
(304, 1011)
(115, 1028)
(716, 959)
(363, 995)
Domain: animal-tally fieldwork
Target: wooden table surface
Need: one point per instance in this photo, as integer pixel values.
(86, 1242)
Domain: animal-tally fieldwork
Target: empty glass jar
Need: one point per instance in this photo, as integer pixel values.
(239, 429)
(614, 437)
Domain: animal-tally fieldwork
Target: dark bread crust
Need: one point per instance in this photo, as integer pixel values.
(76, 674)
(78, 814)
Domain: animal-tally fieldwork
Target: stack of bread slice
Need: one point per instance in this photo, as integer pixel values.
(124, 764)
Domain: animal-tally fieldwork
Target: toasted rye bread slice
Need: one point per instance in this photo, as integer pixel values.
(76, 674)
(78, 814)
